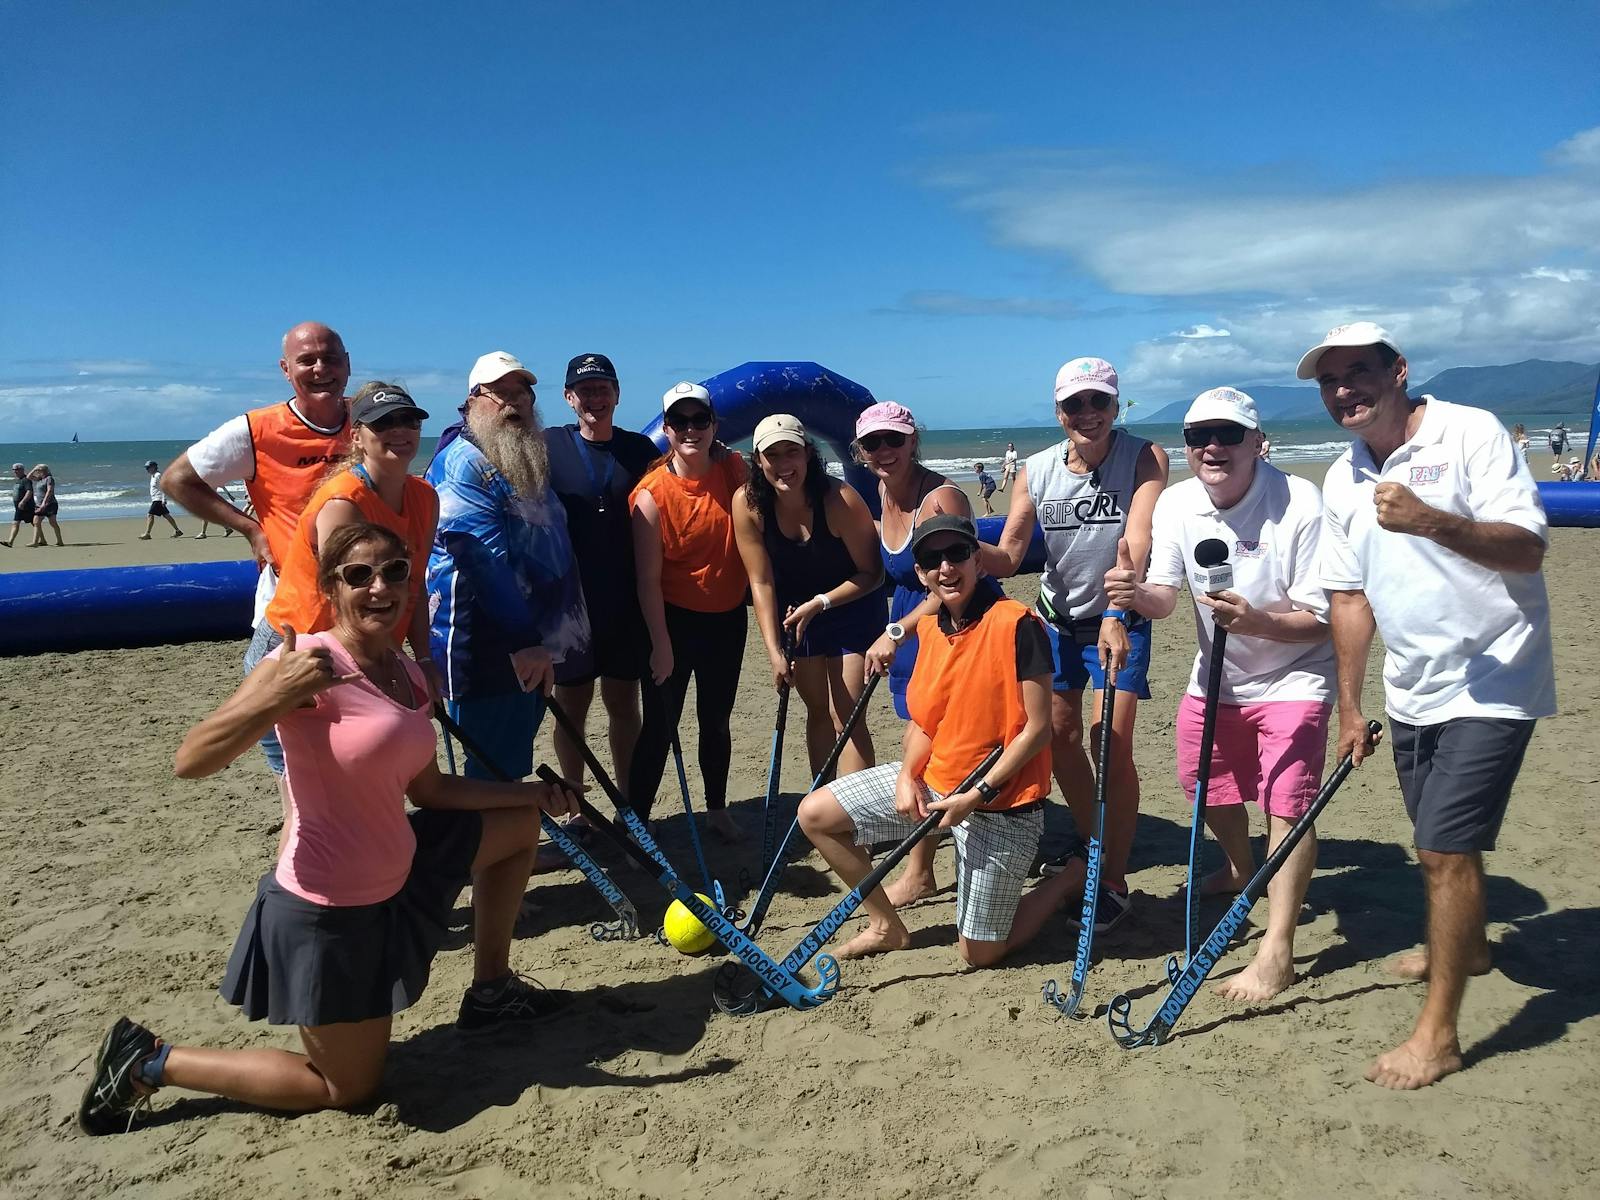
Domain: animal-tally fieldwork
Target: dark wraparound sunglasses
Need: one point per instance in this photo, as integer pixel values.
(679, 424)
(1073, 405)
(1223, 435)
(955, 555)
(395, 420)
(871, 441)
(359, 575)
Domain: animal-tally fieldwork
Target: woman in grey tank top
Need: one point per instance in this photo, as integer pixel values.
(1093, 493)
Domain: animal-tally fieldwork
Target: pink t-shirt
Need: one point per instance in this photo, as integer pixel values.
(348, 763)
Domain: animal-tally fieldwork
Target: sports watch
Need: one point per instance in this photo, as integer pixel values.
(989, 794)
(895, 632)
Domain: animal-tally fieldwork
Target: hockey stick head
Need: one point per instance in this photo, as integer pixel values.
(1122, 1029)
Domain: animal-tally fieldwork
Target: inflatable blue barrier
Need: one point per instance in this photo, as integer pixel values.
(1572, 504)
(109, 608)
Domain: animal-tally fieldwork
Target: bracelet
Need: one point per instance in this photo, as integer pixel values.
(822, 599)
(1115, 614)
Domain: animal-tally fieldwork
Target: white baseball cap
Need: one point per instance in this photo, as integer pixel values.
(1357, 333)
(497, 364)
(1223, 404)
(1086, 375)
(779, 427)
(680, 392)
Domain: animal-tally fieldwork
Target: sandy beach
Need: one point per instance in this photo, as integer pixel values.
(123, 888)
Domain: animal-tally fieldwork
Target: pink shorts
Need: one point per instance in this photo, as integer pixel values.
(1271, 753)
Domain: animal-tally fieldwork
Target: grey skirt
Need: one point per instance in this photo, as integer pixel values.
(297, 962)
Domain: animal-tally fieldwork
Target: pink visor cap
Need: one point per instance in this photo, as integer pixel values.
(1086, 375)
(886, 417)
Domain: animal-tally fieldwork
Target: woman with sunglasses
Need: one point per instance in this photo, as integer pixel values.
(982, 679)
(1093, 493)
(692, 586)
(909, 493)
(374, 485)
(810, 548)
(342, 933)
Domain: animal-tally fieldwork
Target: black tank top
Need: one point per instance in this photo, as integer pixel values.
(800, 570)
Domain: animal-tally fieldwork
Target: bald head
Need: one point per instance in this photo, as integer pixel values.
(317, 367)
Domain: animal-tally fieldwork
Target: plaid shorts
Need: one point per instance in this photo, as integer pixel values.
(993, 849)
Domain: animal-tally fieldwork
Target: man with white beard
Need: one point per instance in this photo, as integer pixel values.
(507, 612)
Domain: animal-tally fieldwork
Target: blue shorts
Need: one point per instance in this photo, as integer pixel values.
(503, 727)
(263, 642)
(1078, 666)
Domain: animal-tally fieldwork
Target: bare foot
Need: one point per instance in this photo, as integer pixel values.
(909, 888)
(1223, 882)
(1415, 1063)
(873, 940)
(1414, 965)
(1270, 973)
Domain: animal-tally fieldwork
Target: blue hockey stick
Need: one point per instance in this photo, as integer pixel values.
(772, 976)
(714, 886)
(1068, 1004)
(1194, 974)
(626, 926)
(769, 807)
(769, 886)
(738, 992)
(1197, 830)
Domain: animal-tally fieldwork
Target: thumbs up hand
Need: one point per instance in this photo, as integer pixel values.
(1122, 581)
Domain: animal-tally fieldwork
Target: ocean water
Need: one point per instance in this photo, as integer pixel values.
(107, 479)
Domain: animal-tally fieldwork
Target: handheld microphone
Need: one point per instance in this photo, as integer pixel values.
(1212, 572)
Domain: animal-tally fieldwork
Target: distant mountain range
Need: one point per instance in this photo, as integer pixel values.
(1535, 387)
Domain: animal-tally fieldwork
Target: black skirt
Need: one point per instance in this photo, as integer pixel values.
(297, 962)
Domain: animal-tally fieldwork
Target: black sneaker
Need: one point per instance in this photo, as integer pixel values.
(110, 1103)
(1056, 863)
(512, 999)
(1109, 912)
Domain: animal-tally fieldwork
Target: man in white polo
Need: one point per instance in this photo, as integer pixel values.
(1434, 537)
(1276, 696)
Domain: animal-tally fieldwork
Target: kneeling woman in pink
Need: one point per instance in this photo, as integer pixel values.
(341, 934)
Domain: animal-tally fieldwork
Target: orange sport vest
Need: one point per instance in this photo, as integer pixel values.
(291, 460)
(965, 695)
(300, 601)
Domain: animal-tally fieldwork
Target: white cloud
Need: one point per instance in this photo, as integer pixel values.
(1470, 269)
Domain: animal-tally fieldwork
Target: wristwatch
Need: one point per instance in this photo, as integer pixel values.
(895, 631)
(989, 794)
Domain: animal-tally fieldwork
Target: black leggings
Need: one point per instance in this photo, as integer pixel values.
(710, 646)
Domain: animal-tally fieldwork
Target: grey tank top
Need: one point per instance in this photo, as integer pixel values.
(1082, 516)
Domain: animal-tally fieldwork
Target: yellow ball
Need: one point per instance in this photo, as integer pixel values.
(683, 928)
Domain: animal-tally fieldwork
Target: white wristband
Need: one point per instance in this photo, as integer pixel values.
(822, 599)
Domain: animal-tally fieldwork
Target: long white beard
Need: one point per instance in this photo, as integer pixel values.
(517, 452)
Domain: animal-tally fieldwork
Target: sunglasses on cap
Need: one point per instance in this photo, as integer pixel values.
(954, 554)
(893, 439)
(679, 423)
(1073, 405)
(359, 575)
(1223, 435)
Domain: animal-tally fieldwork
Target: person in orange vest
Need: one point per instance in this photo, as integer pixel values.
(281, 451)
(982, 679)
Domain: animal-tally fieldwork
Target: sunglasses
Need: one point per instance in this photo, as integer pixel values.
(871, 441)
(1073, 405)
(359, 575)
(955, 555)
(395, 420)
(680, 424)
(1223, 435)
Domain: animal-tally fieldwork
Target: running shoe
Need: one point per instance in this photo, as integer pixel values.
(514, 998)
(1056, 863)
(111, 1104)
(1111, 910)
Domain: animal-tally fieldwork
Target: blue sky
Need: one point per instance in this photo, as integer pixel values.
(943, 202)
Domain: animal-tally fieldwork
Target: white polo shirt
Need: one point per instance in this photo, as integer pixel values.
(1462, 640)
(1272, 535)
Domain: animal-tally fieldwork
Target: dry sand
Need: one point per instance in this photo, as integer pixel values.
(123, 888)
